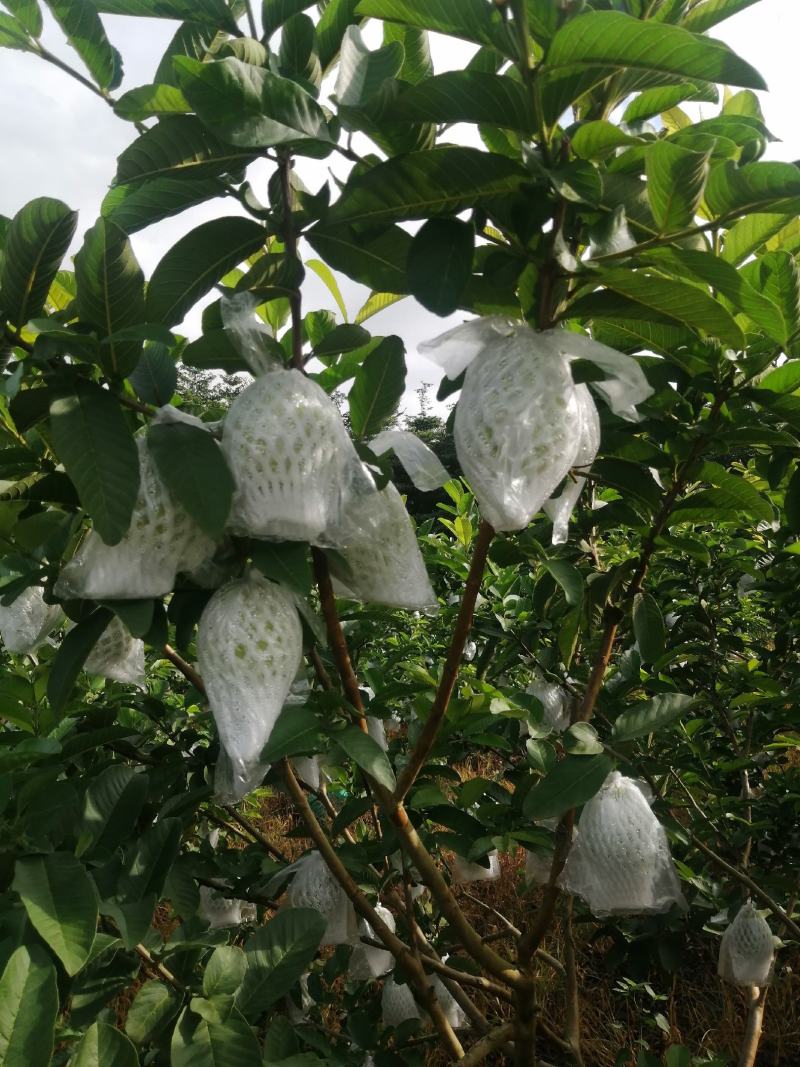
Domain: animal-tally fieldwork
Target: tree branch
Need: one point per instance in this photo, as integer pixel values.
(487, 1045)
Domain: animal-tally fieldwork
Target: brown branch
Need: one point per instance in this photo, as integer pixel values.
(487, 1045)
(160, 969)
(336, 636)
(427, 738)
(186, 669)
(755, 1023)
(290, 244)
(256, 833)
(229, 893)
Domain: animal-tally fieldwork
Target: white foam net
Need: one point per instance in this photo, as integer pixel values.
(620, 861)
(26, 623)
(217, 909)
(450, 1006)
(537, 868)
(118, 656)
(398, 1004)
(560, 508)
(747, 949)
(249, 646)
(368, 962)
(555, 701)
(313, 886)
(466, 871)
(162, 539)
(307, 769)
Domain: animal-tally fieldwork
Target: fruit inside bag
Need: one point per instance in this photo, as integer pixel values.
(118, 656)
(367, 961)
(26, 623)
(747, 949)
(313, 886)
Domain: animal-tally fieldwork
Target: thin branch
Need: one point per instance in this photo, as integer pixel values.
(186, 669)
(251, 21)
(487, 1045)
(572, 1010)
(257, 834)
(230, 893)
(160, 969)
(290, 244)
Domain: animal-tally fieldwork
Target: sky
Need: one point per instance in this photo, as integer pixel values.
(59, 140)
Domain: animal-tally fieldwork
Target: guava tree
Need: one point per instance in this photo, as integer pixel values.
(250, 711)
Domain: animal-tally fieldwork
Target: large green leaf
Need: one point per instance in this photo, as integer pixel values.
(747, 235)
(648, 627)
(756, 187)
(147, 101)
(84, 30)
(650, 716)
(93, 441)
(35, 244)
(110, 293)
(776, 275)
(334, 20)
(274, 13)
(194, 470)
(707, 14)
(569, 784)
(676, 178)
(199, 1043)
(213, 12)
(103, 1045)
(362, 72)
(443, 181)
(378, 388)
(154, 1006)
(61, 902)
(224, 971)
(417, 62)
(376, 258)
(149, 860)
(612, 38)
(71, 656)
(113, 803)
(196, 263)
(13, 33)
(296, 730)
(249, 106)
(440, 263)
(285, 562)
(179, 146)
(367, 753)
(28, 13)
(656, 101)
(155, 376)
(28, 1008)
(131, 207)
(471, 20)
(277, 955)
(468, 96)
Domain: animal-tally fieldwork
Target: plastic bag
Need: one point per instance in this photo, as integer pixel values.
(537, 868)
(382, 563)
(308, 770)
(449, 1005)
(747, 949)
(249, 335)
(367, 961)
(162, 539)
(398, 1004)
(291, 458)
(249, 646)
(219, 910)
(420, 463)
(26, 623)
(465, 871)
(560, 508)
(377, 731)
(620, 862)
(555, 701)
(315, 887)
(118, 656)
(298, 1013)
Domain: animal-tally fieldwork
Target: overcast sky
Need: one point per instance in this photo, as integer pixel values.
(59, 140)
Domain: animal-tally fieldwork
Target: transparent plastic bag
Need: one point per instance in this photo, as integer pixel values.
(368, 962)
(398, 1004)
(537, 868)
(162, 539)
(313, 886)
(307, 769)
(292, 460)
(560, 508)
(249, 646)
(377, 731)
(249, 334)
(220, 911)
(382, 563)
(555, 701)
(420, 463)
(620, 862)
(449, 1005)
(26, 623)
(466, 871)
(747, 949)
(118, 656)
(298, 1013)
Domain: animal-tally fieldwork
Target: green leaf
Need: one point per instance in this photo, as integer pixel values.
(469, 96)
(569, 784)
(568, 577)
(440, 263)
(71, 656)
(598, 139)
(110, 292)
(214, 351)
(27, 13)
(147, 101)
(656, 101)
(149, 861)
(224, 972)
(84, 31)
(154, 1005)
(132, 207)
(35, 244)
(374, 303)
(362, 72)
(179, 146)
(751, 233)
(103, 1045)
(443, 181)
(650, 715)
(195, 471)
(61, 902)
(676, 178)
(334, 20)
(155, 376)
(113, 802)
(615, 39)
(285, 562)
(376, 258)
(325, 274)
(417, 62)
(198, 1043)
(755, 187)
(791, 502)
(739, 492)
(707, 14)
(28, 1008)
(471, 20)
(213, 12)
(581, 740)
(368, 754)
(296, 731)
(777, 277)
(13, 34)
(277, 955)
(378, 388)
(196, 263)
(249, 106)
(93, 441)
(274, 13)
(648, 627)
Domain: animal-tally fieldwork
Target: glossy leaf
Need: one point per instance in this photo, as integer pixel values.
(132, 207)
(440, 263)
(102, 1045)
(648, 628)
(155, 376)
(378, 388)
(198, 1043)
(274, 13)
(650, 716)
(154, 1005)
(755, 187)
(113, 803)
(468, 96)
(35, 244)
(85, 32)
(61, 902)
(27, 13)
(570, 783)
(277, 955)
(368, 754)
(28, 1008)
(72, 654)
(710, 12)
(194, 470)
(297, 730)
(375, 258)
(179, 146)
(147, 101)
(471, 20)
(676, 178)
(214, 12)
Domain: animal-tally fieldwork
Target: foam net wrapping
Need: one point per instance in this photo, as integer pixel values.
(560, 508)
(162, 539)
(537, 868)
(118, 656)
(398, 1004)
(249, 647)
(28, 621)
(219, 910)
(368, 962)
(620, 862)
(382, 563)
(449, 1005)
(291, 458)
(747, 949)
(465, 871)
(555, 701)
(313, 886)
